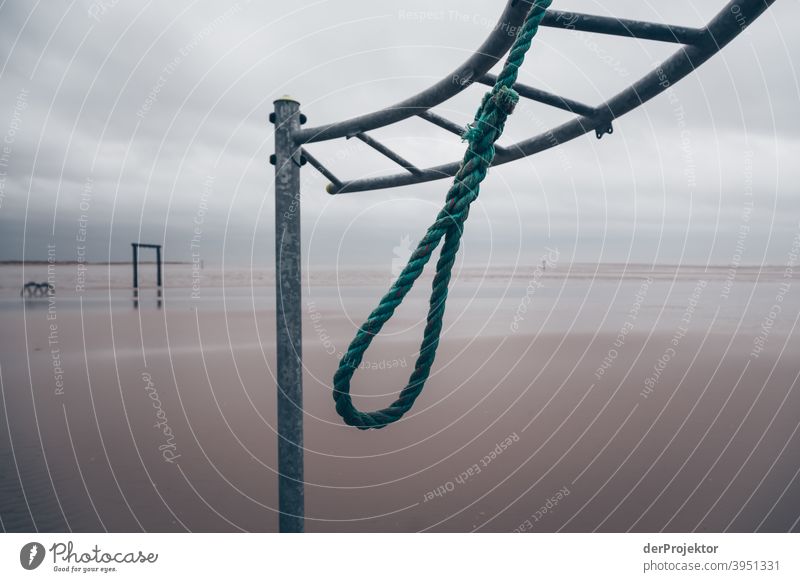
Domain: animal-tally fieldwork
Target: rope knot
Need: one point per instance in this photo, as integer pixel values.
(506, 99)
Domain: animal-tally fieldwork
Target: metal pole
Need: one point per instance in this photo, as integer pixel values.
(158, 267)
(288, 315)
(135, 270)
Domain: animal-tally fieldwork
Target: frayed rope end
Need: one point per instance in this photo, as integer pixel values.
(506, 99)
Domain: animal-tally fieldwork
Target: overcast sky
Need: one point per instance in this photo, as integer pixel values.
(125, 120)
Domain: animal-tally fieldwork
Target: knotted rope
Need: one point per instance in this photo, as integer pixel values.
(481, 136)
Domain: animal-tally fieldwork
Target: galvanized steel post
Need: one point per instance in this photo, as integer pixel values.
(158, 269)
(288, 314)
(135, 248)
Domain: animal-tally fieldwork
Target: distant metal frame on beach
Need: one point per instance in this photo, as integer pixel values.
(696, 46)
(135, 246)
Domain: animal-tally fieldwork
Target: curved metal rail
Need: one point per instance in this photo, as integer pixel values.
(483, 59)
(698, 45)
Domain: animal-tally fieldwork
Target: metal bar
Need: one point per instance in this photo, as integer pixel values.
(396, 158)
(542, 96)
(489, 53)
(623, 27)
(320, 167)
(484, 58)
(288, 317)
(723, 28)
(442, 122)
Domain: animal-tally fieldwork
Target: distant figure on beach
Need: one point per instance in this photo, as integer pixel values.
(34, 289)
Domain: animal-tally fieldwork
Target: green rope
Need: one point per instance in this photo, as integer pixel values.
(481, 135)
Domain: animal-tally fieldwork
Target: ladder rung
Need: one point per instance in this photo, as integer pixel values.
(544, 97)
(442, 122)
(624, 27)
(321, 168)
(396, 158)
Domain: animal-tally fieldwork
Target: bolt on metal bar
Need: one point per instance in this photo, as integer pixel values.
(288, 316)
(396, 158)
(624, 27)
(542, 96)
(320, 167)
(728, 23)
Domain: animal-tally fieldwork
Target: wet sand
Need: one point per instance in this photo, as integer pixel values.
(165, 418)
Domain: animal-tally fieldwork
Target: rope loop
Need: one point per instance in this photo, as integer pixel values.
(481, 136)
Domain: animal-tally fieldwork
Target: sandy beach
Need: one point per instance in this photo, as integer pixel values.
(593, 398)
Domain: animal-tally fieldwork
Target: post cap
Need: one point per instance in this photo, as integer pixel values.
(287, 98)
